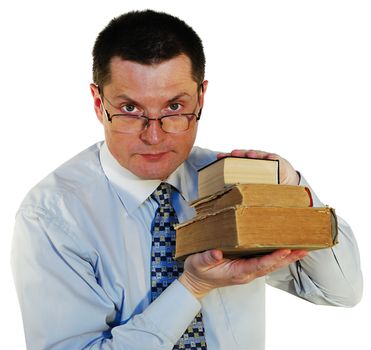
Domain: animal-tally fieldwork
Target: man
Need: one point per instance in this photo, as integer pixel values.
(86, 237)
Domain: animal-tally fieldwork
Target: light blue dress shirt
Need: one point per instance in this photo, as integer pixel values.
(81, 264)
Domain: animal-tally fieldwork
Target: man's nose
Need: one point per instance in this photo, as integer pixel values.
(153, 133)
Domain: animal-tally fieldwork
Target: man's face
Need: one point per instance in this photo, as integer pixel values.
(153, 90)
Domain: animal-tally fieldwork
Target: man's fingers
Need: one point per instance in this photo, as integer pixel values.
(206, 260)
(258, 267)
(278, 259)
(268, 261)
(234, 153)
(222, 155)
(261, 154)
(238, 153)
(208, 270)
(252, 153)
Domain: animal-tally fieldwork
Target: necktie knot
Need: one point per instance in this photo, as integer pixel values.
(162, 195)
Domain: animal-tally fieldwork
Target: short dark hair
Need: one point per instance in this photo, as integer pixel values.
(146, 37)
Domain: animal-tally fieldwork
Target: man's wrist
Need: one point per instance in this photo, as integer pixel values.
(193, 287)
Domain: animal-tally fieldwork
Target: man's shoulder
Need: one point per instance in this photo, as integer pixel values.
(74, 178)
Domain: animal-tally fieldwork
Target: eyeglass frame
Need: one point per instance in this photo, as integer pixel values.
(109, 117)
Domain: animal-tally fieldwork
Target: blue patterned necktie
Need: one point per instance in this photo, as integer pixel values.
(164, 269)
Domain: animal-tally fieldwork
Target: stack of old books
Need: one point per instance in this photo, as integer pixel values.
(244, 211)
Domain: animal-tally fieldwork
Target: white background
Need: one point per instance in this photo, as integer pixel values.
(291, 77)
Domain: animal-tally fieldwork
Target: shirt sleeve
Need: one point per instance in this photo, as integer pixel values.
(327, 276)
(64, 307)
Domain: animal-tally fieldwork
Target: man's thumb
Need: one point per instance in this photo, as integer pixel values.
(210, 258)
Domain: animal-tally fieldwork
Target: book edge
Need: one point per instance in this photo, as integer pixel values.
(217, 160)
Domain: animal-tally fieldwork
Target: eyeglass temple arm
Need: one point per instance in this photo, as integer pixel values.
(201, 87)
(109, 118)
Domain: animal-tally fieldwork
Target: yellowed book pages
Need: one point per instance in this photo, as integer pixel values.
(255, 195)
(247, 231)
(234, 170)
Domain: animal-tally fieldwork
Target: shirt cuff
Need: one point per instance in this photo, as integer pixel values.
(173, 310)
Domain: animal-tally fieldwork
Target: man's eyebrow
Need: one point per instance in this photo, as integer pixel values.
(177, 97)
(131, 100)
(127, 98)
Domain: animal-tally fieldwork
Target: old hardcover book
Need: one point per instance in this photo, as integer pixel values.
(234, 170)
(249, 231)
(255, 195)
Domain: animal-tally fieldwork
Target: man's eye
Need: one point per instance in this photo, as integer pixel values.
(174, 106)
(128, 108)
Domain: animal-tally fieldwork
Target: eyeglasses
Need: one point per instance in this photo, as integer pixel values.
(132, 123)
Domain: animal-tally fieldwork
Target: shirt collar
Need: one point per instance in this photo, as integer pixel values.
(132, 190)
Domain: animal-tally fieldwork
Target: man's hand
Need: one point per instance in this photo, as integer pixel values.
(288, 175)
(208, 270)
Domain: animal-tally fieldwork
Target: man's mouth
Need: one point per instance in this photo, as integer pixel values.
(153, 156)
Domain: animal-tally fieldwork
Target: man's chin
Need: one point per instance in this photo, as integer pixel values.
(155, 166)
(153, 175)
(154, 171)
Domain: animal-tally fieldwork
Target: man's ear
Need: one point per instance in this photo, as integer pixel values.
(97, 102)
(203, 91)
